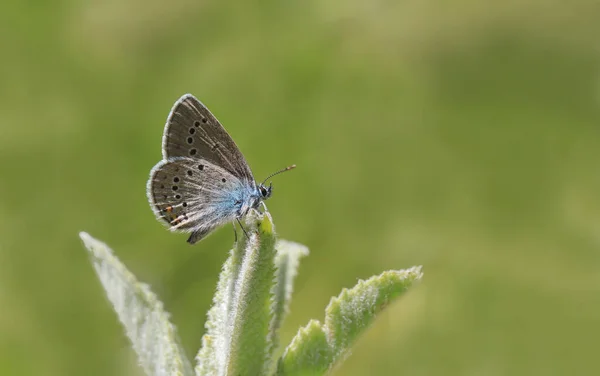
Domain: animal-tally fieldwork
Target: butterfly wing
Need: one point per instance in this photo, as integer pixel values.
(194, 195)
(193, 132)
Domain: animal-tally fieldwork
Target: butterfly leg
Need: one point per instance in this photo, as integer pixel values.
(234, 233)
(264, 206)
(243, 229)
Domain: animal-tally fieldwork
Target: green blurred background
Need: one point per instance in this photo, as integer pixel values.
(463, 136)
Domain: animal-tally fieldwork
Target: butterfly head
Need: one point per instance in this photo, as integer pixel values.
(265, 192)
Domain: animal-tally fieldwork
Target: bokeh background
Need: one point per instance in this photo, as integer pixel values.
(463, 136)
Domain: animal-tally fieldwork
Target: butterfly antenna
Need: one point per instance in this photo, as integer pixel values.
(279, 172)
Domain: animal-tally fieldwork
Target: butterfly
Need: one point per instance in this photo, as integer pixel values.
(203, 180)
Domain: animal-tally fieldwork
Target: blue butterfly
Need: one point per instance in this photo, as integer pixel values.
(203, 180)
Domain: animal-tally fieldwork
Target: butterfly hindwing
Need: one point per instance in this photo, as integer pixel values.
(192, 131)
(194, 195)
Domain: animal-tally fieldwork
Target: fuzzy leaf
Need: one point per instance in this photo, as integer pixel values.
(308, 354)
(237, 339)
(286, 263)
(252, 297)
(146, 323)
(346, 317)
(354, 309)
(212, 357)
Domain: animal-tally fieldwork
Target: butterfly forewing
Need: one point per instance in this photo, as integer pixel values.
(194, 194)
(193, 132)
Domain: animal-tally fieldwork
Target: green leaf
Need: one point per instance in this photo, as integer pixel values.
(146, 323)
(353, 310)
(346, 317)
(213, 355)
(252, 299)
(287, 260)
(309, 352)
(237, 338)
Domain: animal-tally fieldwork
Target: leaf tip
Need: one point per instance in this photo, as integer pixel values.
(416, 272)
(266, 223)
(84, 236)
(292, 247)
